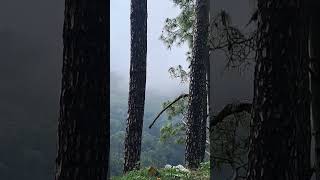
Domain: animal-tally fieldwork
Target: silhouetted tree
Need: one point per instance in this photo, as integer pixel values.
(83, 126)
(197, 90)
(280, 131)
(138, 18)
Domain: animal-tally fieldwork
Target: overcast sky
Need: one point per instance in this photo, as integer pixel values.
(159, 58)
(228, 85)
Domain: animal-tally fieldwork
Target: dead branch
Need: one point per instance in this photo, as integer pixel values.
(163, 110)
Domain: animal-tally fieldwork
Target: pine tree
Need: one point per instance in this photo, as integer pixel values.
(83, 126)
(280, 139)
(138, 18)
(197, 90)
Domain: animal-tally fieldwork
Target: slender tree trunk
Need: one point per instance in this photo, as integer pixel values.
(314, 55)
(137, 86)
(197, 91)
(279, 144)
(83, 126)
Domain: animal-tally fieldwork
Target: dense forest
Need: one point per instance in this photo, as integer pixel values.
(251, 109)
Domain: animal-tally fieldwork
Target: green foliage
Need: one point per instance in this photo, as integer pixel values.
(230, 40)
(203, 173)
(174, 129)
(178, 108)
(231, 135)
(173, 132)
(179, 72)
(153, 152)
(224, 37)
(179, 30)
(230, 138)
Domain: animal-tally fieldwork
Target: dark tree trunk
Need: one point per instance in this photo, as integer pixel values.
(137, 87)
(83, 126)
(314, 55)
(197, 91)
(203, 141)
(279, 136)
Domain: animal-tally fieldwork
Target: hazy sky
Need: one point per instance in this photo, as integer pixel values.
(159, 58)
(228, 85)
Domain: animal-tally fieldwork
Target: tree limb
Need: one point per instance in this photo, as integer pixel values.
(228, 110)
(163, 110)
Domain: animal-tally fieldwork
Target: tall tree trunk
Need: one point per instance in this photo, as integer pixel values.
(83, 126)
(303, 126)
(314, 55)
(280, 140)
(138, 18)
(197, 91)
(210, 95)
(205, 110)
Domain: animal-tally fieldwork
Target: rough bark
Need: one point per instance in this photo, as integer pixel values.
(314, 76)
(138, 63)
(197, 88)
(83, 125)
(279, 135)
(204, 124)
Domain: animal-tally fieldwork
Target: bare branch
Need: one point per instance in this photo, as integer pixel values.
(228, 110)
(163, 110)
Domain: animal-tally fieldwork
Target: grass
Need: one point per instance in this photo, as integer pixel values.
(203, 173)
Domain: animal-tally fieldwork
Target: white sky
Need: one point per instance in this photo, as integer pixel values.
(159, 58)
